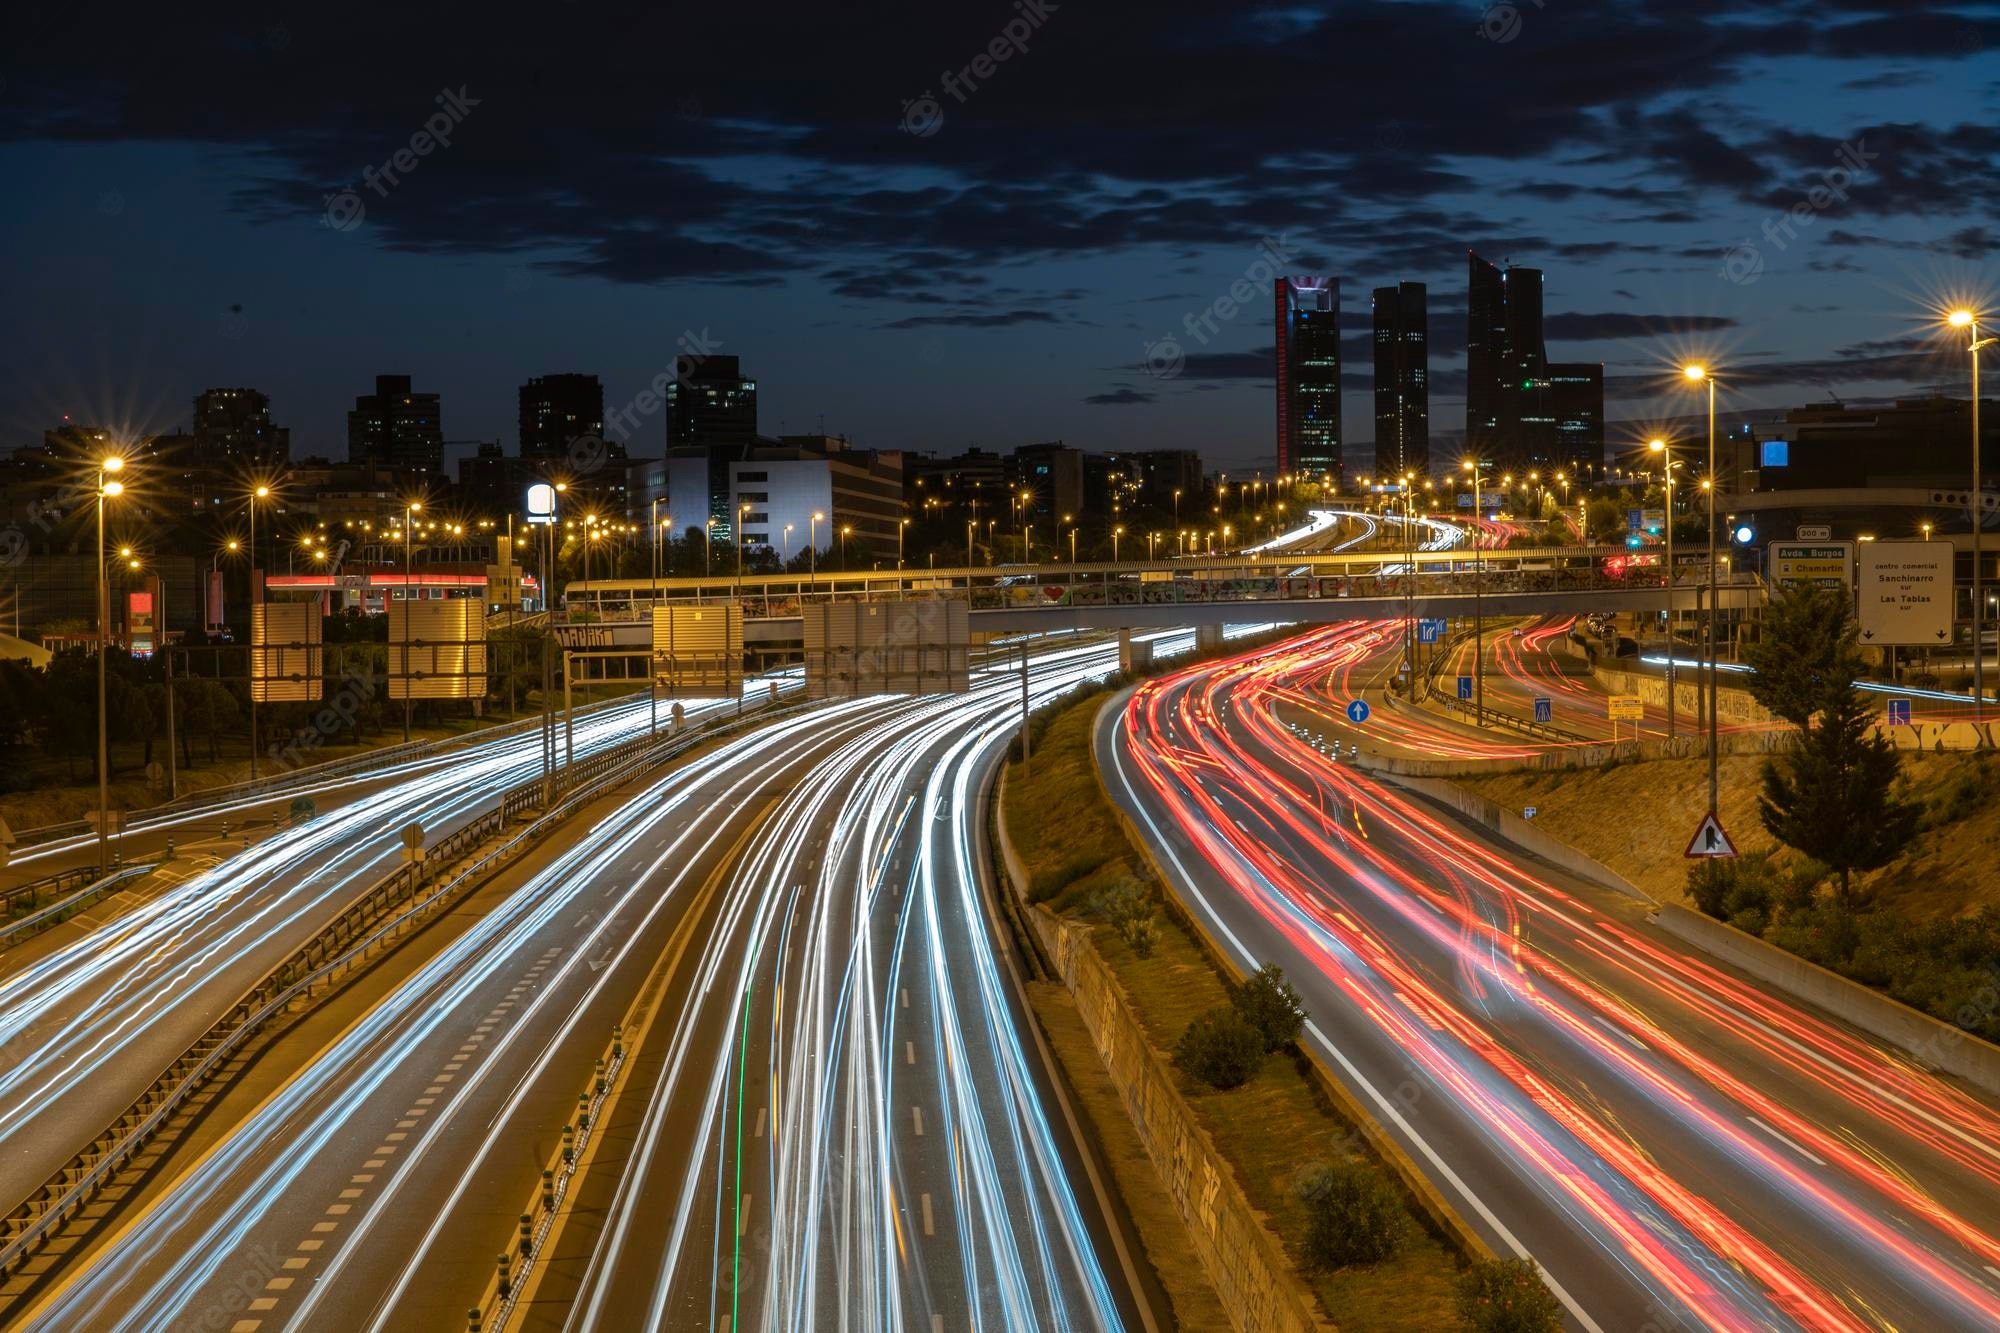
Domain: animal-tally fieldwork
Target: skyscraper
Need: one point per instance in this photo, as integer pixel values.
(1508, 415)
(1402, 380)
(397, 427)
(712, 409)
(1308, 311)
(556, 409)
(1576, 401)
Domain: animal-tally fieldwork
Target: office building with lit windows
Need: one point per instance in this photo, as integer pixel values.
(1402, 380)
(1308, 366)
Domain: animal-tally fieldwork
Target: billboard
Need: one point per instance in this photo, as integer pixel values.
(285, 665)
(887, 648)
(698, 649)
(437, 649)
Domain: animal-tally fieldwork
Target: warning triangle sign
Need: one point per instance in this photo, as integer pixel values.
(1710, 839)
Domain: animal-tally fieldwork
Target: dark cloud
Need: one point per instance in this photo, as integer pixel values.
(1000, 320)
(1119, 397)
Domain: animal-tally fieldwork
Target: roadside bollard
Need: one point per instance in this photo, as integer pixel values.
(548, 1191)
(506, 1283)
(569, 1146)
(527, 1241)
(170, 846)
(600, 1078)
(617, 1041)
(472, 1321)
(583, 1112)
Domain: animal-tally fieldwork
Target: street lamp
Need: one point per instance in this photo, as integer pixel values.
(108, 488)
(1478, 597)
(1667, 471)
(812, 545)
(1969, 321)
(742, 517)
(410, 511)
(1700, 374)
(903, 523)
(1117, 531)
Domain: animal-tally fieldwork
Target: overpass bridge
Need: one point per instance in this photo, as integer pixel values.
(1309, 588)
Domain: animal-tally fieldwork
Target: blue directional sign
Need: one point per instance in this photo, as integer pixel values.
(1430, 631)
(1899, 712)
(1357, 712)
(1465, 687)
(1545, 708)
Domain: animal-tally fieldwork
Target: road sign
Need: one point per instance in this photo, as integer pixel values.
(413, 835)
(1710, 840)
(1528, 811)
(1545, 708)
(1814, 532)
(1465, 687)
(1820, 564)
(1429, 631)
(1903, 592)
(1627, 708)
(1899, 712)
(1357, 711)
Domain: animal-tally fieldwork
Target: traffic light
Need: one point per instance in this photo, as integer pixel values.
(1744, 534)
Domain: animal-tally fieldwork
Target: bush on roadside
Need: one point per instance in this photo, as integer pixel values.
(1129, 908)
(1353, 1216)
(1507, 1296)
(1220, 1048)
(1270, 1004)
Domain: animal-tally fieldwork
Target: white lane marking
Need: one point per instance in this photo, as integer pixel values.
(1388, 1110)
(937, 1323)
(743, 1217)
(1789, 1143)
(929, 1228)
(1994, 1271)
(761, 1112)
(1617, 1031)
(917, 1118)
(909, 1052)
(906, 997)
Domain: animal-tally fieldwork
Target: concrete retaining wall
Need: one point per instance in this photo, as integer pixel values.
(1248, 1266)
(1940, 1044)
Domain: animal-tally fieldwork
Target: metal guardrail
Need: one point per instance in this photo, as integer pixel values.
(94, 887)
(64, 1194)
(278, 784)
(1493, 717)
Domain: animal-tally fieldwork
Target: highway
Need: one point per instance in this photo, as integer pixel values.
(84, 1028)
(1674, 1145)
(835, 1114)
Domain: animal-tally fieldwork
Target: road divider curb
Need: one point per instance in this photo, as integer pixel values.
(1444, 1220)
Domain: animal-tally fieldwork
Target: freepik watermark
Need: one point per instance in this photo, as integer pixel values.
(587, 453)
(1743, 263)
(923, 116)
(1501, 22)
(345, 208)
(1165, 356)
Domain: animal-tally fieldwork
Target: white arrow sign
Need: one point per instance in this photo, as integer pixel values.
(1903, 593)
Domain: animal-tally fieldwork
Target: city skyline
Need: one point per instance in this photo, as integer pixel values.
(1797, 224)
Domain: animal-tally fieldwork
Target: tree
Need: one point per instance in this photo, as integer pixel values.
(1832, 797)
(1805, 646)
(1270, 1004)
(1220, 1048)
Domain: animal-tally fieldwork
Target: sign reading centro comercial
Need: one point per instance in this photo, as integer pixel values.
(1821, 564)
(1904, 592)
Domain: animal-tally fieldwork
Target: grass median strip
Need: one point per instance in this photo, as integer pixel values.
(1277, 1129)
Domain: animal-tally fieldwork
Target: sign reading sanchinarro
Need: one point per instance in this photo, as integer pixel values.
(1903, 593)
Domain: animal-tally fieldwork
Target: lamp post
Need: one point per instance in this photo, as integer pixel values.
(707, 545)
(902, 524)
(1699, 374)
(256, 595)
(1667, 471)
(108, 488)
(410, 512)
(1117, 531)
(742, 516)
(812, 545)
(1969, 320)
(1478, 599)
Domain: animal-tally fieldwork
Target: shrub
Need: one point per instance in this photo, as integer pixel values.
(1129, 908)
(1270, 1004)
(1353, 1216)
(1507, 1296)
(1220, 1048)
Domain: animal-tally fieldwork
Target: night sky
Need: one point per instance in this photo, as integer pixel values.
(921, 257)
